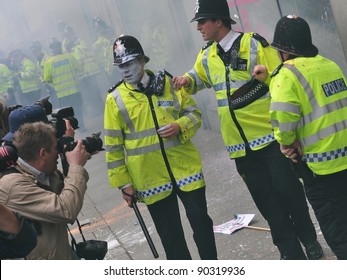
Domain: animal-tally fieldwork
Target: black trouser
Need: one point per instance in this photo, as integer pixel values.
(280, 198)
(166, 217)
(328, 197)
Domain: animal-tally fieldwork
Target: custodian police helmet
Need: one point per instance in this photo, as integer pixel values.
(126, 48)
(212, 9)
(293, 36)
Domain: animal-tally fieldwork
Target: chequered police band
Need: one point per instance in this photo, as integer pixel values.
(263, 140)
(235, 148)
(252, 144)
(167, 187)
(321, 157)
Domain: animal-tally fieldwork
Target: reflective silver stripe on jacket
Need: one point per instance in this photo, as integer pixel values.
(142, 134)
(233, 84)
(317, 112)
(253, 51)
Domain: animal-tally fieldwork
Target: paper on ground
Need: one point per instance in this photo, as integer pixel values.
(240, 221)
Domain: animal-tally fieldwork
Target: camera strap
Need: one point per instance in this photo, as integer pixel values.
(88, 249)
(73, 240)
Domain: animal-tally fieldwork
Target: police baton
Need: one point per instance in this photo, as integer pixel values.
(144, 228)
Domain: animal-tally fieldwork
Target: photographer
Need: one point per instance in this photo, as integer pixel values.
(37, 190)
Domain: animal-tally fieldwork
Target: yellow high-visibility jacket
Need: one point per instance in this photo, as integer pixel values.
(61, 71)
(6, 79)
(134, 154)
(29, 77)
(308, 103)
(104, 53)
(85, 57)
(252, 121)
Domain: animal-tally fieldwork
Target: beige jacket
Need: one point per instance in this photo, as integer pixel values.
(51, 206)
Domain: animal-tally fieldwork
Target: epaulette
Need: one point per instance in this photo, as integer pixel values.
(261, 39)
(209, 43)
(277, 70)
(116, 85)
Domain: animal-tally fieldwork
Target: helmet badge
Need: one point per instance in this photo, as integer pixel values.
(197, 6)
(292, 17)
(119, 48)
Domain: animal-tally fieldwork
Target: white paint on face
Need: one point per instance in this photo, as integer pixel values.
(132, 71)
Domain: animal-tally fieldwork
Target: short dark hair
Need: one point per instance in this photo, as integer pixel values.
(227, 23)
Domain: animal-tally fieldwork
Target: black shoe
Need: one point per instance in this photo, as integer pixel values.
(298, 256)
(314, 251)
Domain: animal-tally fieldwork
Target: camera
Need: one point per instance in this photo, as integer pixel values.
(58, 120)
(65, 143)
(92, 143)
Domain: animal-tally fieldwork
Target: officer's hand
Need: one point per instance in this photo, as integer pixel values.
(169, 130)
(260, 73)
(128, 195)
(293, 152)
(69, 129)
(180, 82)
(78, 155)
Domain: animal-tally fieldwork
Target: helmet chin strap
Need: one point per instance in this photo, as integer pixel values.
(282, 56)
(290, 56)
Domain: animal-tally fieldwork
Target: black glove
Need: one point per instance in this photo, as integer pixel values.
(157, 84)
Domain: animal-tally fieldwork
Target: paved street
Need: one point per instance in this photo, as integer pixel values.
(106, 216)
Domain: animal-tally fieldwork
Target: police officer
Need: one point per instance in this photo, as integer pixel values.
(61, 73)
(102, 50)
(40, 55)
(148, 128)
(308, 114)
(6, 80)
(26, 76)
(226, 63)
(88, 78)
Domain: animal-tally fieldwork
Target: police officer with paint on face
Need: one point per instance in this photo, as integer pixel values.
(149, 153)
(308, 113)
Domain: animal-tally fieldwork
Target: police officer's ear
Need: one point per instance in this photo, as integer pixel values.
(218, 22)
(142, 60)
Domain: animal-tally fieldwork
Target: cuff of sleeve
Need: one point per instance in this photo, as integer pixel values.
(125, 186)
